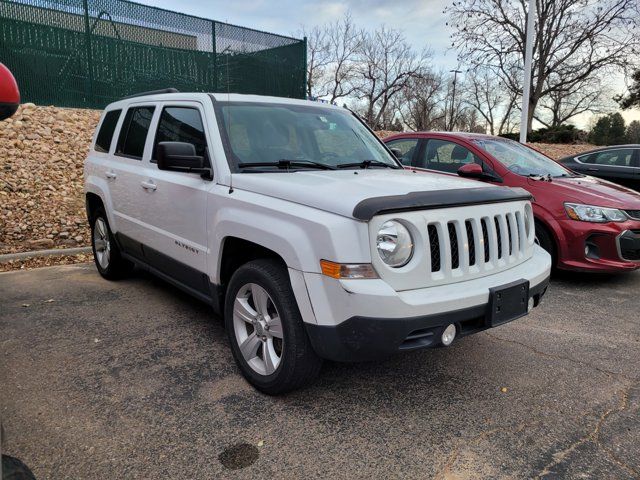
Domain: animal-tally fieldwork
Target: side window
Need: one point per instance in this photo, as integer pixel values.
(181, 124)
(105, 134)
(133, 133)
(618, 158)
(407, 146)
(446, 156)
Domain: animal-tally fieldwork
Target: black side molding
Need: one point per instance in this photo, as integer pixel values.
(367, 209)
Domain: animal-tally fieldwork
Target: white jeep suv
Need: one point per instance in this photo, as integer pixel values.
(293, 221)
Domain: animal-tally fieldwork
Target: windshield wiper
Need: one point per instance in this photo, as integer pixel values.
(286, 164)
(367, 164)
(566, 175)
(538, 176)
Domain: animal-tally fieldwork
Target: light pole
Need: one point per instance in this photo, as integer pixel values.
(528, 57)
(453, 95)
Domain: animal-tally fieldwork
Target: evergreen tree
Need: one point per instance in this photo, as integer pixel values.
(599, 135)
(618, 130)
(633, 132)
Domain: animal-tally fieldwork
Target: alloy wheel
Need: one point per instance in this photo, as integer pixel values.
(102, 243)
(258, 329)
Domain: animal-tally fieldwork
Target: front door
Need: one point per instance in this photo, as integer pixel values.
(175, 206)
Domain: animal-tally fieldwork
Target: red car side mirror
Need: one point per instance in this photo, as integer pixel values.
(471, 170)
(9, 93)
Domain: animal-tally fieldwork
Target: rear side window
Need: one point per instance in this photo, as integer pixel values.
(616, 158)
(181, 124)
(105, 134)
(133, 133)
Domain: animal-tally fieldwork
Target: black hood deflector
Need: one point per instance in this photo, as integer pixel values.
(367, 209)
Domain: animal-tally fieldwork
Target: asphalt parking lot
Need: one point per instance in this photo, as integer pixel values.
(136, 380)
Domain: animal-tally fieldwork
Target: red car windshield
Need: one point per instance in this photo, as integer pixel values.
(522, 160)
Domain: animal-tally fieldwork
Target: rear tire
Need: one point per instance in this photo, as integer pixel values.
(266, 331)
(106, 254)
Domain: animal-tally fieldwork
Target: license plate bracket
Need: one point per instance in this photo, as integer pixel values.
(507, 302)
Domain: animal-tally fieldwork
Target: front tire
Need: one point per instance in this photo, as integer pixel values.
(106, 253)
(266, 331)
(544, 239)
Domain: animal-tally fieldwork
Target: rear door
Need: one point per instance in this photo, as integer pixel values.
(619, 165)
(175, 202)
(126, 173)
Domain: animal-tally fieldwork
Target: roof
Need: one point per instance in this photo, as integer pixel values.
(220, 97)
(602, 149)
(462, 135)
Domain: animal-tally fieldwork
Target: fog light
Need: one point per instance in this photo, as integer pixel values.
(448, 335)
(530, 304)
(591, 250)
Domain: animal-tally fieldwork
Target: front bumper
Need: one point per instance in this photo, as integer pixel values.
(366, 338)
(366, 319)
(613, 247)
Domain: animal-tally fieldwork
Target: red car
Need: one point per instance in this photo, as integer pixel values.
(585, 223)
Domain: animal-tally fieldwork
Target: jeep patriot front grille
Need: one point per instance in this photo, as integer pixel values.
(456, 244)
(481, 242)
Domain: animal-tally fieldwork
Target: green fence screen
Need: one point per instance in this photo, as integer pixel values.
(88, 53)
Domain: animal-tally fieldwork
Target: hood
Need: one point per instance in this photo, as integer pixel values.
(594, 191)
(340, 191)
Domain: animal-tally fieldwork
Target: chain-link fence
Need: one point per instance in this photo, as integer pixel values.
(88, 53)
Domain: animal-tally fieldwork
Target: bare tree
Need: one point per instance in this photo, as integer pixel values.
(467, 121)
(454, 104)
(574, 40)
(420, 103)
(318, 58)
(344, 40)
(495, 103)
(562, 105)
(386, 65)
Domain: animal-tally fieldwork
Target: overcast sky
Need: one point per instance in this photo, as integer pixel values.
(422, 21)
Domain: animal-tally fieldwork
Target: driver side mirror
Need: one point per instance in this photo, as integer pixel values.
(181, 157)
(473, 170)
(396, 152)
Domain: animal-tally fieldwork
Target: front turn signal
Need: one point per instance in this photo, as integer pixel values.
(347, 270)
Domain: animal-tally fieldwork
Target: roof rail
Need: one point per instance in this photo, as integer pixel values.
(152, 92)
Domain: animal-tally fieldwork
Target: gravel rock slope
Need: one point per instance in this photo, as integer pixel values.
(42, 150)
(41, 154)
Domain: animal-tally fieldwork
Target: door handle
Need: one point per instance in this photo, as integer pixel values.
(111, 175)
(148, 185)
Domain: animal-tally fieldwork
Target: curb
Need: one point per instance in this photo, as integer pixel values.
(43, 253)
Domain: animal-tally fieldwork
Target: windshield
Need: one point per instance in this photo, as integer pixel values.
(302, 136)
(522, 160)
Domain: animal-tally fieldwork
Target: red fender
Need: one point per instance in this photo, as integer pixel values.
(9, 93)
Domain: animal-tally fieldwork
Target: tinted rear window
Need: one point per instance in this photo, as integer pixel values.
(133, 133)
(105, 134)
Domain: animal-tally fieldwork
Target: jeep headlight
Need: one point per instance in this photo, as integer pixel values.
(589, 213)
(394, 243)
